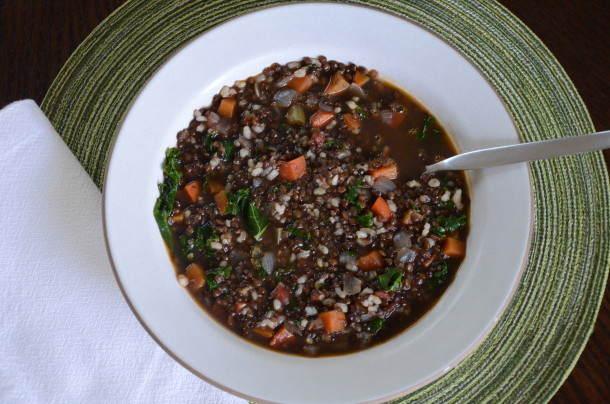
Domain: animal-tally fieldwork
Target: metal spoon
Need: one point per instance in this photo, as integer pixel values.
(517, 153)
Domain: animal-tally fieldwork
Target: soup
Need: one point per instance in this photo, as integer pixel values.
(297, 210)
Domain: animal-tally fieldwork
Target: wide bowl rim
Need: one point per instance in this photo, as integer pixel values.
(473, 345)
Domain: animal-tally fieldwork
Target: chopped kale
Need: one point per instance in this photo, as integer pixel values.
(238, 202)
(440, 275)
(449, 224)
(365, 220)
(391, 279)
(293, 231)
(377, 324)
(168, 189)
(421, 135)
(256, 223)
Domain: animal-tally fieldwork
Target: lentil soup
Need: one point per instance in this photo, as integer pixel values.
(297, 211)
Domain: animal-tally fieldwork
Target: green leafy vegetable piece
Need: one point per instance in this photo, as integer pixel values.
(440, 276)
(168, 189)
(448, 224)
(292, 304)
(330, 143)
(391, 279)
(210, 281)
(208, 141)
(446, 204)
(352, 194)
(256, 223)
(229, 147)
(365, 220)
(352, 253)
(421, 135)
(362, 113)
(262, 274)
(238, 202)
(199, 241)
(211, 275)
(225, 271)
(377, 324)
(293, 231)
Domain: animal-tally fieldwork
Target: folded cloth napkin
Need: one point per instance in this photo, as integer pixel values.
(66, 333)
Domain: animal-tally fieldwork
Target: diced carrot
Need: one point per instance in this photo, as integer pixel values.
(282, 294)
(215, 187)
(454, 248)
(281, 338)
(239, 306)
(263, 332)
(390, 172)
(352, 122)
(294, 169)
(380, 208)
(300, 84)
(371, 260)
(337, 85)
(361, 79)
(396, 120)
(333, 320)
(193, 190)
(221, 201)
(227, 107)
(321, 118)
(195, 274)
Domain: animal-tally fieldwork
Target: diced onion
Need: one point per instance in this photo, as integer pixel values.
(405, 254)
(268, 262)
(384, 185)
(223, 126)
(325, 107)
(213, 119)
(387, 116)
(283, 81)
(344, 258)
(402, 240)
(357, 90)
(284, 97)
(351, 285)
(245, 142)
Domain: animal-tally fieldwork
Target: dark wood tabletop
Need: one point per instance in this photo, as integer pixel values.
(38, 36)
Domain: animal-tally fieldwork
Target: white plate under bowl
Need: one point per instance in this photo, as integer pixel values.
(409, 56)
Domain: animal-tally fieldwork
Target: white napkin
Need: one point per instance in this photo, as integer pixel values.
(66, 333)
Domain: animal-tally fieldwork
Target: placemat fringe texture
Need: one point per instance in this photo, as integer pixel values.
(539, 338)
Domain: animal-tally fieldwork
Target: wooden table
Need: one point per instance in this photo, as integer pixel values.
(37, 37)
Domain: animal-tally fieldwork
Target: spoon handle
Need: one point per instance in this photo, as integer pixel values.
(521, 152)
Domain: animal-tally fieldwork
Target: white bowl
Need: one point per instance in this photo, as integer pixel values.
(407, 55)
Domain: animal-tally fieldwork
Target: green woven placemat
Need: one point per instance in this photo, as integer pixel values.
(542, 333)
